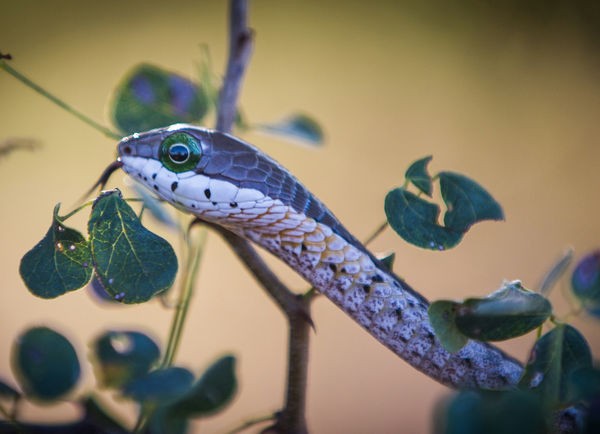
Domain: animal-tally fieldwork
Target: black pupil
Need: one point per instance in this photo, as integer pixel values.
(179, 153)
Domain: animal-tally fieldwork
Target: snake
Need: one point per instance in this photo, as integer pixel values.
(223, 180)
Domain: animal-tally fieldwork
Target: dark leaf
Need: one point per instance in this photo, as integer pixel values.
(45, 364)
(507, 313)
(415, 220)
(132, 263)
(297, 126)
(61, 262)
(388, 261)
(212, 391)
(467, 202)
(465, 414)
(584, 384)
(160, 387)
(121, 356)
(98, 417)
(586, 282)
(556, 272)
(7, 391)
(151, 97)
(418, 175)
(442, 315)
(554, 358)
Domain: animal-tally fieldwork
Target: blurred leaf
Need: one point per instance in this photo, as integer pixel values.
(97, 417)
(297, 126)
(507, 313)
(415, 220)
(584, 384)
(150, 97)
(388, 261)
(8, 146)
(467, 202)
(442, 315)
(57, 264)
(212, 391)
(164, 421)
(132, 263)
(465, 414)
(556, 272)
(45, 363)
(7, 391)
(160, 387)
(157, 209)
(554, 358)
(417, 174)
(586, 282)
(122, 356)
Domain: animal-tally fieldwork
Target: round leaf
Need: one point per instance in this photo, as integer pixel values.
(212, 391)
(442, 315)
(160, 387)
(132, 263)
(586, 282)
(554, 358)
(415, 220)
(123, 355)
(45, 363)
(59, 263)
(417, 174)
(151, 97)
(509, 312)
(467, 202)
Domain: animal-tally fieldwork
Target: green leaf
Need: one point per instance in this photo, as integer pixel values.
(586, 282)
(151, 97)
(556, 272)
(467, 202)
(45, 364)
(415, 220)
(98, 417)
(122, 356)
(418, 175)
(212, 391)
(7, 391)
(442, 315)
(584, 384)
(132, 263)
(61, 262)
(160, 387)
(554, 358)
(388, 261)
(297, 126)
(465, 414)
(507, 313)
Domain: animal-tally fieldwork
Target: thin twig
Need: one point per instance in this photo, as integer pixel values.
(250, 423)
(240, 48)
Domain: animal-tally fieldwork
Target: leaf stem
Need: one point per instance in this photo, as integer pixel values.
(59, 102)
(376, 233)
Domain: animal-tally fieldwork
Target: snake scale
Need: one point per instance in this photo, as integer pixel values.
(225, 181)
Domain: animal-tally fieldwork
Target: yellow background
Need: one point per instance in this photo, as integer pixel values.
(510, 100)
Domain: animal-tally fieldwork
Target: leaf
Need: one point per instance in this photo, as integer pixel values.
(7, 391)
(417, 174)
(415, 220)
(442, 316)
(158, 211)
(98, 417)
(465, 415)
(212, 391)
(59, 263)
(584, 384)
(554, 358)
(586, 282)
(556, 272)
(296, 126)
(507, 313)
(121, 356)
(388, 261)
(160, 387)
(467, 202)
(132, 263)
(151, 97)
(45, 363)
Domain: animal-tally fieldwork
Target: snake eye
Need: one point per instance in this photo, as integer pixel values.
(180, 152)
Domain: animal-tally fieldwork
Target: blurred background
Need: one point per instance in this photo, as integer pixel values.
(506, 94)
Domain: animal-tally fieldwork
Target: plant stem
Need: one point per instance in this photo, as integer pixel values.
(195, 249)
(376, 233)
(27, 82)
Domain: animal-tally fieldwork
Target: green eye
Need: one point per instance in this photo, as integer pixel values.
(180, 152)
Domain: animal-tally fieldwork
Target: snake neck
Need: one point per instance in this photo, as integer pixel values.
(347, 273)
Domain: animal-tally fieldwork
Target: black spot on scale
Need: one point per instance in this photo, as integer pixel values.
(145, 178)
(233, 204)
(193, 205)
(367, 288)
(156, 187)
(333, 267)
(207, 193)
(303, 246)
(154, 175)
(214, 203)
(398, 313)
(174, 186)
(377, 278)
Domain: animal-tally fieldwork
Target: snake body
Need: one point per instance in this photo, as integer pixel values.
(226, 181)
